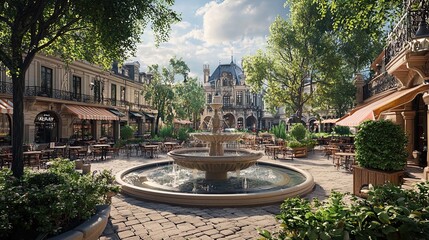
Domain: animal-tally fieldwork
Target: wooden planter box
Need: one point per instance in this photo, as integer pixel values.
(299, 152)
(364, 176)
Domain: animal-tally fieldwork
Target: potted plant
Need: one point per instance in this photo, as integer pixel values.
(298, 145)
(380, 153)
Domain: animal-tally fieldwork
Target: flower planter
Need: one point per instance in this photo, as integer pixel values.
(364, 177)
(299, 152)
(91, 229)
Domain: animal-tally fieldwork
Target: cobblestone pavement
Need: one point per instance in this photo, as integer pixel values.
(136, 219)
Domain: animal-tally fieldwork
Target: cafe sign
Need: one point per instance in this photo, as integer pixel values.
(45, 118)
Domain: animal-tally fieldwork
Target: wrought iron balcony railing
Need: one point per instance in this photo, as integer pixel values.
(380, 83)
(405, 30)
(6, 88)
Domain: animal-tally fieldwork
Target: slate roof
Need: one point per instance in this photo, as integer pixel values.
(234, 69)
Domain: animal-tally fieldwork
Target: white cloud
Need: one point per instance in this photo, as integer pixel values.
(236, 19)
(209, 34)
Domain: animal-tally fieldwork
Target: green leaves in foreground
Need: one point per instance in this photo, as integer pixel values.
(389, 213)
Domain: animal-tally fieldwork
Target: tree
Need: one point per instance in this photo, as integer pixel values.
(190, 100)
(96, 31)
(289, 67)
(160, 92)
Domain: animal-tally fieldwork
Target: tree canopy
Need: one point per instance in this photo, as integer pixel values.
(190, 100)
(160, 91)
(96, 31)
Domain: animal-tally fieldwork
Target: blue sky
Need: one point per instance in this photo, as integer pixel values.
(211, 31)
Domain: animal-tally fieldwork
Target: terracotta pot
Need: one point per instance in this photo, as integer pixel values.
(78, 164)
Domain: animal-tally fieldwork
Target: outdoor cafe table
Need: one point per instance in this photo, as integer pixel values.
(32, 155)
(74, 148)
(61, 149)
(170, 145)
(274, 149)
(347, 159)
(150, 148)
(103, 150)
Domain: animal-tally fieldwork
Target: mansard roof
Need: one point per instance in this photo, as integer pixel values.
(231, 68)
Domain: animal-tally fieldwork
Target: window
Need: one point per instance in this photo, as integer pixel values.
(248, 99)
(98, 96)
(122, 96)
(46, 82)
(255, 99)
(239, 98)
(136, 97)
(113, 94)
(76, 88)
(226, 100)
(209, 98)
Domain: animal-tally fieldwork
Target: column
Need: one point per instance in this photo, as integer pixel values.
(359, 83)
(426, 170)
(409, 131)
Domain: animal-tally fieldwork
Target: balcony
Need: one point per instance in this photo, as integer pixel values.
(404, 55)
(380, 83)
(36, 91)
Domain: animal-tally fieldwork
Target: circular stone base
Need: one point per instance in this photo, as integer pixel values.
(215, 200)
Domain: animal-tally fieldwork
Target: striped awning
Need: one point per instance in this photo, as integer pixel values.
(6, 106)
(91, 113)
(373, 110)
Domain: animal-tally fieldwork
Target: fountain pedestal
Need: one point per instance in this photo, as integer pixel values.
(216, 175)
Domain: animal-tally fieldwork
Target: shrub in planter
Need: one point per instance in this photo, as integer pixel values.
(389, 213)
(298, 131)
(47, 203)
(381, 145)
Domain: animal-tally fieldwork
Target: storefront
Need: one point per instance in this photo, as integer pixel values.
(46, 127)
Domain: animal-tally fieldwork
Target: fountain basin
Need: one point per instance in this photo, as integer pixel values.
(260, 197)
(216, 167)
(217, 137)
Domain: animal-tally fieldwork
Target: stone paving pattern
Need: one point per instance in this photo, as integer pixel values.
(134, 219)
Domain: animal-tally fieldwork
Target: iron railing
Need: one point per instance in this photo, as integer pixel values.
(37, 91)
(380, 83)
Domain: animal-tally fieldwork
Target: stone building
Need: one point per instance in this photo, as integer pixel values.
(78, 101)
(242, 109)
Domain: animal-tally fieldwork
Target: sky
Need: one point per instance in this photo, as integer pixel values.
(211, 32)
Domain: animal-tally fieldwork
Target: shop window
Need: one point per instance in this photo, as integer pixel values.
(46, 124)
(5, 130)
(107, 129)
(82, 130)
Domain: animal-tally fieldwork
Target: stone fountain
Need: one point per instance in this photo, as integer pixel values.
(218, 162)
(267, 182)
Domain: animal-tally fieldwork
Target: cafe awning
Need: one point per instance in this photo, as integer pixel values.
(373, 110)
(135, 114)
(116, 112)
(91, 113)
(6, 106)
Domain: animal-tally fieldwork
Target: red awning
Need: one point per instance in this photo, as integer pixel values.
(6, 106)
(373, 110)
(91, 113)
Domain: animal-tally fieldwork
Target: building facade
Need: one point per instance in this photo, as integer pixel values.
(76, 102)
(399, 91)
(241, 109)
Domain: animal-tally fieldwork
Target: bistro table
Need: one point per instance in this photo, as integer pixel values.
(347, 159)
(170, 146)
(74, 149)
(60, 149)
(32, 155)
(150, 148)
(274, 149)
(103, 148)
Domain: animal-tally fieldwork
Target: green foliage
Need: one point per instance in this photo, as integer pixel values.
(166, 131)
(381, 145)
(190, 99)
(279, 131)
(342, 130)
(295, 144)
(389, 213)
(127, 132)
(46, 203)
(183, 134)
(298, 131)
